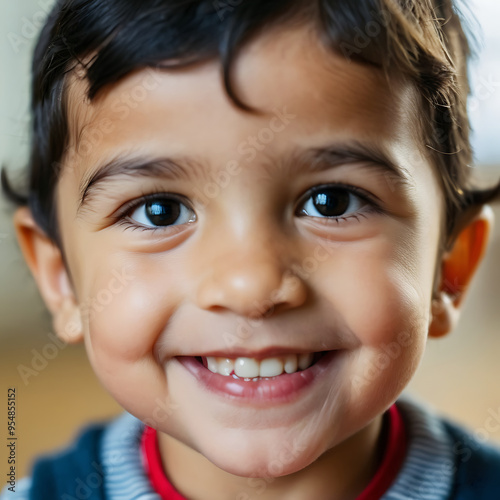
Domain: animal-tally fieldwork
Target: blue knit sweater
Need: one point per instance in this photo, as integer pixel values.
(443, 462)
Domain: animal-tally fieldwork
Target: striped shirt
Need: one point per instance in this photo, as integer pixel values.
(427, 473)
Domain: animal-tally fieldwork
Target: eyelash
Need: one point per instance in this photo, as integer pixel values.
(123, 216)
(371, 201)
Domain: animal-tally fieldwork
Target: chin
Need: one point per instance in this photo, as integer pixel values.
(264, 461)
(259, 468)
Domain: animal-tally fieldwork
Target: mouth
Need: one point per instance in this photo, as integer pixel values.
(252, 369)
(278, 379)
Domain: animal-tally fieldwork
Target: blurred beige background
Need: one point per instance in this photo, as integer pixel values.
(459, 374)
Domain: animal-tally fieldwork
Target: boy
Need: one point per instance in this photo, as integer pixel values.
(235, 247)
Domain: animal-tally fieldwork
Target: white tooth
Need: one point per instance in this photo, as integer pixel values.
(291, 363)
(225, 366)
(212, 364)
(246, 367)
(271, 367)
(305, 360)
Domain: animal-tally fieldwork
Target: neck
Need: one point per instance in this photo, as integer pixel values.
(340, 473)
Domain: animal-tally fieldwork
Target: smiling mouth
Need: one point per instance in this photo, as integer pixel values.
(252, 369)
(263, 382)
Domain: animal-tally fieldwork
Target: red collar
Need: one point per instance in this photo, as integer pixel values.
(151, 459)
(386, 473)
(394, 455)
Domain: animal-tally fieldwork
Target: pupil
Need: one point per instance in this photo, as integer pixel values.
(162, 213)
(331, 202)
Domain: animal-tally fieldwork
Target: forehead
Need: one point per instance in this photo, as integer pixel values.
(284, 71)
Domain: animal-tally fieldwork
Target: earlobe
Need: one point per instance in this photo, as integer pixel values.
(458, 267)
(444, 315)
(67, 322)
(48, 269)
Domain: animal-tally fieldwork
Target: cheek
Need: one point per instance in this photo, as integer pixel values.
(125, 311)
(380, 289)
(128, 303)
(125, 328)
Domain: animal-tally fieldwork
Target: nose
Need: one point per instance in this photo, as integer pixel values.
(251, 279)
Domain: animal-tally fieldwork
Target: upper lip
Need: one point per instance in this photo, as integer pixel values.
(258, 354)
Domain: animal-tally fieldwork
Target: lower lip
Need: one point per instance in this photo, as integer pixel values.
(281, 389)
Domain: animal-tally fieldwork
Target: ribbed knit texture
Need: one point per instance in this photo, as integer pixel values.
(436, 467)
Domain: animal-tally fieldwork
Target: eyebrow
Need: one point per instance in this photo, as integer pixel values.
(311, 160)
(323, 158)
(142, 166)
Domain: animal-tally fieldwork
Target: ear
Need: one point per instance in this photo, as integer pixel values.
(458, 267)
(47, 267)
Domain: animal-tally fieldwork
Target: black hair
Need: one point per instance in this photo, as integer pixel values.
(421, 40)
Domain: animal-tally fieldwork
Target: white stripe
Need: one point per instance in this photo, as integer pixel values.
(125, 478)
(21, 493)
(425, 473)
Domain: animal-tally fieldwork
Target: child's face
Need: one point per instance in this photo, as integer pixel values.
(350, 272)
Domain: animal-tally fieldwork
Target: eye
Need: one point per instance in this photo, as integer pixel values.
(161, 211)
(336, 202)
